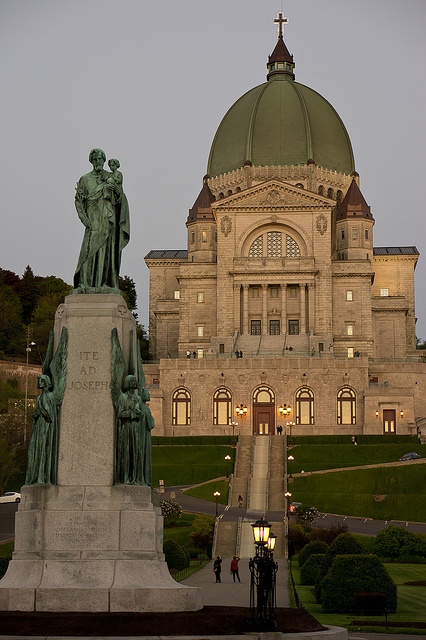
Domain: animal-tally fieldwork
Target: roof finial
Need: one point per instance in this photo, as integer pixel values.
(280, 20)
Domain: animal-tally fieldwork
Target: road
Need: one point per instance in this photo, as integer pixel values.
(355, 525)
(366, 526)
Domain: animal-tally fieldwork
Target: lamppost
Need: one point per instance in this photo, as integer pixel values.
(217, 496)
(263, 569)
(233, 425)
(228, 460)
(290, 459)
(28, 351)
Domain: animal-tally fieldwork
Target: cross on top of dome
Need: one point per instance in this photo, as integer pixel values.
(280, 20)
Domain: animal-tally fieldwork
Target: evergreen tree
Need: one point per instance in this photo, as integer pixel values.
(12, 333)
(28, 293)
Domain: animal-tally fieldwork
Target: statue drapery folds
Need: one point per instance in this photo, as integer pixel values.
(134, 421)
(43, 448)
(103, 209)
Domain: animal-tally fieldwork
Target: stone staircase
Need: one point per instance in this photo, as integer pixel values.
(271, 345)
(249, 345)
(259, 478)
(257, 496)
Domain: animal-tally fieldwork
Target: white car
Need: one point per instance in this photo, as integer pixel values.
(10, 496)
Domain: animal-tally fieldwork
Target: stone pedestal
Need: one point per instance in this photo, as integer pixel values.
(86, 544)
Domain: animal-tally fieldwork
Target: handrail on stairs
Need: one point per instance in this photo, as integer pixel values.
(239, 534)
(268, 473)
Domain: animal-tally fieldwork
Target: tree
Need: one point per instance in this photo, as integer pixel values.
(396, 542)
(28, 294)
(128, 291)
(52, 293)
(12, 334)
(202, 533)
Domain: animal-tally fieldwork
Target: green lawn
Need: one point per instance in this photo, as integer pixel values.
(411, 600)
(334, 456)
(206, 491)
(190, 464)
(401, 492)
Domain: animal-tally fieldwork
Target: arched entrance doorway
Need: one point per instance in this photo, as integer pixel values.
(263, 411)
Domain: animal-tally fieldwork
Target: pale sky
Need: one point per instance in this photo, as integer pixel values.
(149, 81)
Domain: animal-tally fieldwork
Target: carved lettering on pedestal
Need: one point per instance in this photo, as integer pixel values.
(88, 368)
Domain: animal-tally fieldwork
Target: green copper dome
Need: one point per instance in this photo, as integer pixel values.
(281, 122)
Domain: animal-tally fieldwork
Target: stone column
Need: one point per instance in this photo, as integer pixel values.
(264, 309)
(302, 308)
(245, 309)
(237, 308)
(283, 309)
(311, 303)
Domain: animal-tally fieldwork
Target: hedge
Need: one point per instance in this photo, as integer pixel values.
(316, 546)
(352, 575)
(310, 572)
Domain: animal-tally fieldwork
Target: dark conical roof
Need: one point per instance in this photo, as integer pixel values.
(202, 206)
(353, 204)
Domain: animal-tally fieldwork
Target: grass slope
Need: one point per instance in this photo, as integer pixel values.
(190, 464)
(335, 456)
(400, 492)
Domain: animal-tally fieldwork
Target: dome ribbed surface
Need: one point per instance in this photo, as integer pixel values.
(281, 122)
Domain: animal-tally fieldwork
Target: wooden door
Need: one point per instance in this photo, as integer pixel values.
(263, 420)
(389, 421)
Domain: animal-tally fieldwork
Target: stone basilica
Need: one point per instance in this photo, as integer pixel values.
(281, 311)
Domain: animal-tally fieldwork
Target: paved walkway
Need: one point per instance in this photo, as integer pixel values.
(228, 594)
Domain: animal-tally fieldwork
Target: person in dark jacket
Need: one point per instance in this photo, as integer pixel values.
(217, 568)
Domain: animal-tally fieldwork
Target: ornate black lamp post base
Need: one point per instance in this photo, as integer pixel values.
(263, 570)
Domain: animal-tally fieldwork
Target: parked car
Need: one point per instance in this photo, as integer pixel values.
(411, 456)
(10, 496)
(293, 507)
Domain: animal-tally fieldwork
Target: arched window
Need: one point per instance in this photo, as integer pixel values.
(181, 407)
(330, 193)
(304, 406)
(339, 196)
(274, 244)
(346, 406)
(321, 190)
(263, 394)
(222, 407)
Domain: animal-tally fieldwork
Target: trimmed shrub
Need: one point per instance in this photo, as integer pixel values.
(396, 542)
(316, 546)
(176, 557)
(344, 544)
(350, 575)
(311, 569)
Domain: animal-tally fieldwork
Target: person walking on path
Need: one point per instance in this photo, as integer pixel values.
(240, 501)
(234, 568)
(217, 568)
